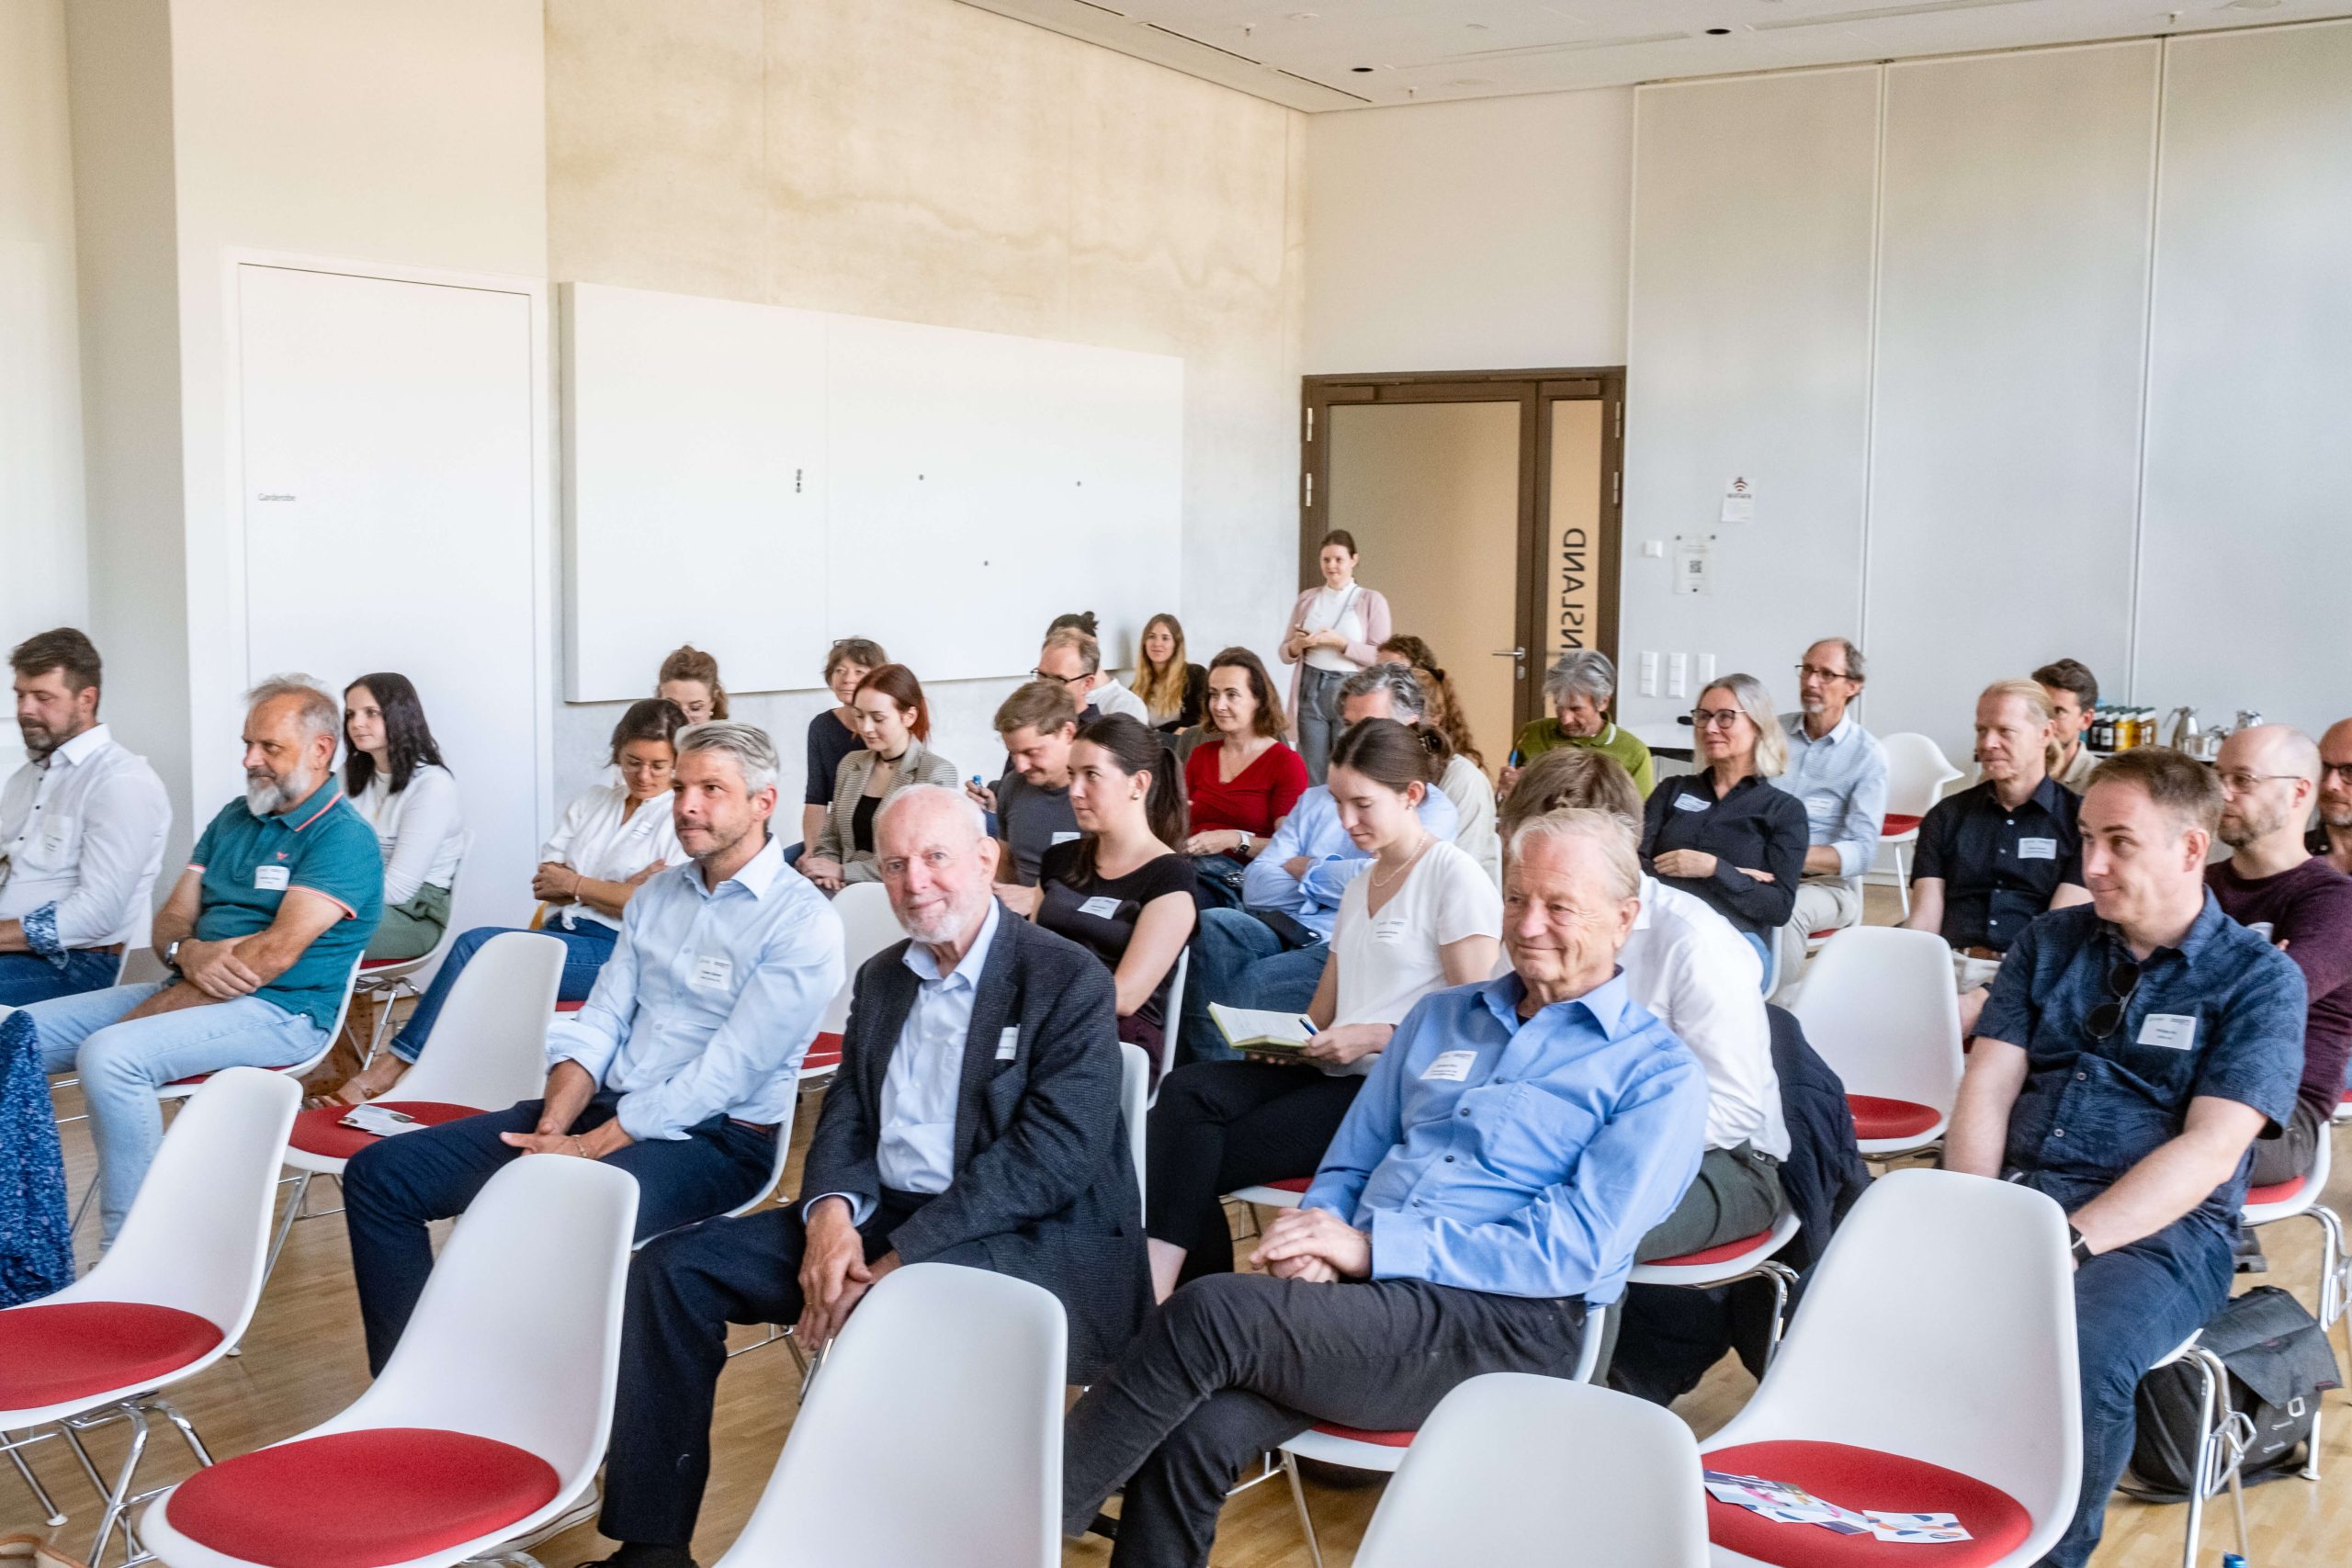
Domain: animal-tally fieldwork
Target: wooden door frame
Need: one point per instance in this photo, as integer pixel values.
(1534, 391)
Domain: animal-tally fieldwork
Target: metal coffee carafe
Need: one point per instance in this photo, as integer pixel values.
(2188, 735)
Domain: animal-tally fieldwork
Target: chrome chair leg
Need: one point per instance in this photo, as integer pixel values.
(1298, 1496)
(52, 1515)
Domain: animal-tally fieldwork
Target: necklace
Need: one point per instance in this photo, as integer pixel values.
(1379, 882)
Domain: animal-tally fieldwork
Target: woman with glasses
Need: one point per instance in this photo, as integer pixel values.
(893, 721)
(1724, 833)
(1335, 630)
(1580, 686)
(689, 677)
(832, 734)
(609, 842)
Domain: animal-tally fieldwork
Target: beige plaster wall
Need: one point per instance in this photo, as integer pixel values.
(925, 161)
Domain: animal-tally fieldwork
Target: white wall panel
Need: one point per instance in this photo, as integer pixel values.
(2248, 505)
(1749, 347)
(2011, 312)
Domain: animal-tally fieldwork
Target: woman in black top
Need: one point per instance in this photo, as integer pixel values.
(1725, 833)
(832, 734)
(1175, 692)
(1121, 888)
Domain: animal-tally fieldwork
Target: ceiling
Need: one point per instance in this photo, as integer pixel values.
(1344, 54)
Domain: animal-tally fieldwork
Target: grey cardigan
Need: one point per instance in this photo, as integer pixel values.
(917, 764)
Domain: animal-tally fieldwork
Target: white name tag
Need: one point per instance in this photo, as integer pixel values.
(1451, 1067)
(1692, 803)
(1824, 803)
(1008, 1040)
(1070, 838)
(1101, 907)
(2262, 929)
(2037, 849)
(271, 878)
(2172, 1031)
(712, 972)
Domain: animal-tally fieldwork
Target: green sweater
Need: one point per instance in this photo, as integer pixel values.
(1545, 735)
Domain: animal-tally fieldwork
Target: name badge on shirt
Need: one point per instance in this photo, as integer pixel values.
(1451, 1067)
(1692, 803)
(2172, 1031)
(712, 972)
(271, 878)
(2037, 849)
(1101, 907)
(1008, 1040)
(1070, 838)
(2263, 929)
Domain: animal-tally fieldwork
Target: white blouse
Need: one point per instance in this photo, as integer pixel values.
(1465, 785)
(594, 841)
(1342, 612)
(421, 831)
(1391, 959)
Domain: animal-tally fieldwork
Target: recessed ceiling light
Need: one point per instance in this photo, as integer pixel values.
(1718, 32)
(1360, 70)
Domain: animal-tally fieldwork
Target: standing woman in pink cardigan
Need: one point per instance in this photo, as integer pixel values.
(1335, 630)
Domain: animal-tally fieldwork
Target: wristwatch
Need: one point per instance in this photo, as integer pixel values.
(2080, 1247)
(172, 955)
(1245, 838)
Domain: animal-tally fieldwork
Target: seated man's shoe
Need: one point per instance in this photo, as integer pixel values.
(635, 1554)
(2247, 1253)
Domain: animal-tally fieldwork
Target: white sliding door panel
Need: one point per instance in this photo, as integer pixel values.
(2011, 312)
(694, 431)
(1749, 354)
(388, 498)
(2241, 602)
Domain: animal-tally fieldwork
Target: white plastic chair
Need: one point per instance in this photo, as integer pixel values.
(181, 1279)
(1510, 1468)
(487, 1052)
(1938, 1328)
(1917, 772)
(487, 1376)
(934, 1437)
(868, 925)
(1174, 1017)
(2222, 1438)
(2301, 1200)
(1879, 1007)
(386, 980)
(1752, 1257)
(1135, 1102)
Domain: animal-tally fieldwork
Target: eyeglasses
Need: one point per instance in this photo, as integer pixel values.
(1715, 718)
(1063, 680)
(2237, 780)
(1819, 673)
(2107, 1017)
(2340, 770)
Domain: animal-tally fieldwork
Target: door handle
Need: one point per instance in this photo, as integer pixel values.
(1508, 653)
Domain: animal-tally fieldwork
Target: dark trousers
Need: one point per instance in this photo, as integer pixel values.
(1231, 1366)
(1218, 1126)
(392, 1188)
(684, 1290)
(2288, 1157)
(2132, 1306)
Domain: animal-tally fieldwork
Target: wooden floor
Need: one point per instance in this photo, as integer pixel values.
(303, 1362)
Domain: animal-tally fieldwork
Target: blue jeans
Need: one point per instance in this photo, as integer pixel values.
(122, 1065)
(1238, 960)
(27, 977)
(2132, 1306)
(585, 949)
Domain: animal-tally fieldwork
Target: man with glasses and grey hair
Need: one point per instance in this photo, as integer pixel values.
(682, 1066)
(261, 932)
(1580, 686)
(2132, 1051)
(2331, 834)
(1839, 770)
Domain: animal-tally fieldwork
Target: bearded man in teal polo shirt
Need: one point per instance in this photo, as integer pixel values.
(261, 933)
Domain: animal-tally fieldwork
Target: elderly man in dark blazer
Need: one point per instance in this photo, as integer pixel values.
(976, 1121)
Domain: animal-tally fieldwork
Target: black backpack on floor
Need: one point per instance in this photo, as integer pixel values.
(2280, 1363)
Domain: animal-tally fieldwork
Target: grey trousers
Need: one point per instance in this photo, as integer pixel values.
(1735, 1194)
(2288, 1157)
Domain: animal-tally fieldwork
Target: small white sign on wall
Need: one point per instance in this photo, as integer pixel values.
(1694, 563)
(1740, 501)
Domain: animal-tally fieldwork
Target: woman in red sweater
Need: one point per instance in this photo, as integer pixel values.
(1241, 788)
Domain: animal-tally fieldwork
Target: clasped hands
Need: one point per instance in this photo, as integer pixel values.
(834, 1274)
(1316, 1246)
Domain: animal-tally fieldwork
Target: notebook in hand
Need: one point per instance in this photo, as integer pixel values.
(1261, 1030)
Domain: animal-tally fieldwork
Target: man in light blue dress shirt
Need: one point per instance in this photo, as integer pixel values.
(681, 1069)
(1511, 1146)
(1839, 770)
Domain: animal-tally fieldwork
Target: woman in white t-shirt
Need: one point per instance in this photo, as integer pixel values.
(1335, 630)
(612, 839)
(1421, 916)
(392, 772)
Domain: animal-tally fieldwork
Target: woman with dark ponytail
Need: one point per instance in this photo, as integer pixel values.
(1121, 888)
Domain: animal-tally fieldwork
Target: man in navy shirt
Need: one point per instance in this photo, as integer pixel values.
(2130, 1052)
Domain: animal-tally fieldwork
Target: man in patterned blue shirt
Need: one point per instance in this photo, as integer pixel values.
(1509, 1149)
(2132, 1051)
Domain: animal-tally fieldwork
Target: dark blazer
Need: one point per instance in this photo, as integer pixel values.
(1043, 1183)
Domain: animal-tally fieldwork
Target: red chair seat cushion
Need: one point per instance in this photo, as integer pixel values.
(1357, 1434)
(1875, 1118)
(825, 1051)
(1723, 1252)
(1897, 824)
(361, 1499)
(1862, 1478)
(322, 1131)
(1290, 1184)
(368, 963)
(2278, 1192)
(74, 1349)
(571, 1006)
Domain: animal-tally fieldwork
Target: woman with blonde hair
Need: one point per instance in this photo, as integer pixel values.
(1174, 692)
(1725, 833)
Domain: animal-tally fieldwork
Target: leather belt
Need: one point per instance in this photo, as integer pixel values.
(112, 949)
(1979, 953)
(767, 1128)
